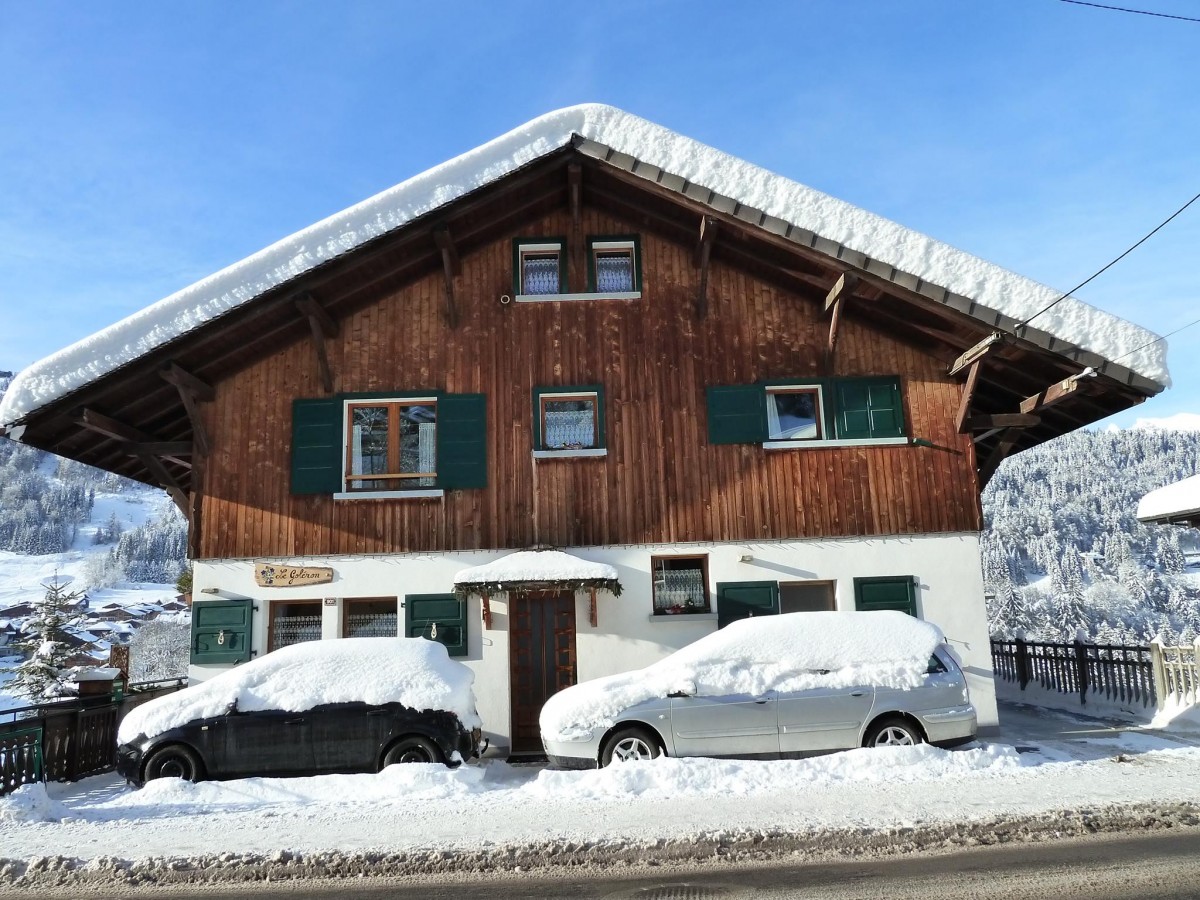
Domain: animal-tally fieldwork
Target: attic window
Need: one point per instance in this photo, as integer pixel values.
(539, 268)
(794, 414)
(614, 268)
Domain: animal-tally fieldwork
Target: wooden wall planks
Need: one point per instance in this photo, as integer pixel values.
(660, 482)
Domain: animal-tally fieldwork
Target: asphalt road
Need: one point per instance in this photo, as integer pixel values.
(1151, 865)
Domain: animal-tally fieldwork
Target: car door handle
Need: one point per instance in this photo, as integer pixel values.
(857, 693)
(294, 721)
(762, 701)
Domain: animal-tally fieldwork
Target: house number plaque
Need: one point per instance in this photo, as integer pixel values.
(273, 575)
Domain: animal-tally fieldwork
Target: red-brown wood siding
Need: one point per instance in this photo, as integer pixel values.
(660, 482)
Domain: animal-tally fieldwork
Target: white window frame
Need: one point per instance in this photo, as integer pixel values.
(823, 441)
(580, 453)
(535, 247)
(631, 246)
(773, 412)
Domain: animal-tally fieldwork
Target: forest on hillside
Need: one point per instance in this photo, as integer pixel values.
(1064, 554)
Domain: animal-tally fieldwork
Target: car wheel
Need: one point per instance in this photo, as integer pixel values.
(413, 749)
(628, 744)
(176, 761)
(893, 733)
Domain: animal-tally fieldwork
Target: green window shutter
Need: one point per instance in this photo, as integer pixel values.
(444, 613)
(743, 599)
(221, 631)
(869, 408)
(737, 414)
(897, 592)
(462, 441)
(317, 446)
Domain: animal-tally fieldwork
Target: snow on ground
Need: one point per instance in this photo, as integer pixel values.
(1046, 763)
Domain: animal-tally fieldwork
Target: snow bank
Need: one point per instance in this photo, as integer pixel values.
(412, 671)
(790, 652)
(1179, 499)
(907, 250)
(31, 803)
(536, 565)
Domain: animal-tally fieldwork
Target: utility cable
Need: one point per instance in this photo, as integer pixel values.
(1160, 226)
(1156, 340)
(1140, 12)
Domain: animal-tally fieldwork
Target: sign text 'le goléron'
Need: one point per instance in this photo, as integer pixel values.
(273, 575)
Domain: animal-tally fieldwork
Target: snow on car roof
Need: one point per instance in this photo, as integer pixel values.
(413, 671)
(795, 651)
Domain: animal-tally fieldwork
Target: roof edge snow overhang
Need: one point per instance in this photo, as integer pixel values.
(853, 259)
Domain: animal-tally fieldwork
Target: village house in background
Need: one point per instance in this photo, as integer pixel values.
(713, 392)
(1172, 504)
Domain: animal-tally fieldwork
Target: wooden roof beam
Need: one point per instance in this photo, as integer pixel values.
(1056, 393)
(700, 259)
(191, 391)
(133, 438)
(835, 302)
(451, 267)
(322, 326)
(978, 352)
(1007, 441)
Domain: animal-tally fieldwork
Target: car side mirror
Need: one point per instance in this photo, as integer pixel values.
(232, 708)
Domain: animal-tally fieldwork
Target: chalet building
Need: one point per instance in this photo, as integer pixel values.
(573, 400)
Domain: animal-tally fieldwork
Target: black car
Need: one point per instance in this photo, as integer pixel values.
(338, 737)
(314, 708)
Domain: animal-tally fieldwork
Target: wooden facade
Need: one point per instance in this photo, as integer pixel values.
(660, 482)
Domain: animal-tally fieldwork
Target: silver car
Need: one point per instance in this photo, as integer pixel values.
(780, 724)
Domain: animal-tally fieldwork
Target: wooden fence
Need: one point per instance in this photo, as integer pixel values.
(1119, 673)
(68, 740)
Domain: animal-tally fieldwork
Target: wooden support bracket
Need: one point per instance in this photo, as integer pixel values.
(968, 396)
(575, 193)
(1056, 393)
(1002, 420)
(841, 290)
(592, 607)
(323, 326)
(487, 612)
(451, 266)
(160, 474)
(192, 391)
(708, 234)
(976, 353)
(1007, 441)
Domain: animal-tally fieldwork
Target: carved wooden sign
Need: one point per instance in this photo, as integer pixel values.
(275, 575)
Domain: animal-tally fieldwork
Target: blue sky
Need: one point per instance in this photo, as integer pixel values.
(145, 145)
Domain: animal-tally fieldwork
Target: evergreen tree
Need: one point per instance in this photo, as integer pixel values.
(42, 674)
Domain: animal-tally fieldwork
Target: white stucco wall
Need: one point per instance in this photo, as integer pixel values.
(628, 636)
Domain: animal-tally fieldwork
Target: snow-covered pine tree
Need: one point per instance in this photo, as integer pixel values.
(42, 674)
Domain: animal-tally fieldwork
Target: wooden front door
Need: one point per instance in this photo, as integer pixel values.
(541, 658)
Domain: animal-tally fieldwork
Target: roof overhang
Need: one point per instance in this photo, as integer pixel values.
(1025, 385)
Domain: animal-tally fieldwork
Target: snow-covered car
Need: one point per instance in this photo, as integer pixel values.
(769, 687)
(354, 705)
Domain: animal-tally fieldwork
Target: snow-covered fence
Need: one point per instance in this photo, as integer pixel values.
(70, 739)
(1176, 673)
(1118, 673)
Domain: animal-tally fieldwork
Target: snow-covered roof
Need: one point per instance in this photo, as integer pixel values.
(790, 652)
(1177, 501)
(537, 566)
(412, 671)
(987, 285)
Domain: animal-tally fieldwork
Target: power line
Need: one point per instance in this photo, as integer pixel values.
(1156, 340)
(1160, 226)
(1140, 12)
